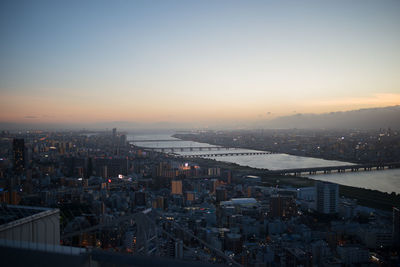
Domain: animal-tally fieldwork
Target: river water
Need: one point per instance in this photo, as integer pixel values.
(385, 181)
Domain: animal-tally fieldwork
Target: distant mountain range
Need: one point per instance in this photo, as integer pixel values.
(371, 118)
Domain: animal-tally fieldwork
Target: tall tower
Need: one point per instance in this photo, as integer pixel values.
(114, 133)
(19, 156)
(327, 197)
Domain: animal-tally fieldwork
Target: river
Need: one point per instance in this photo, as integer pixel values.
(385, 181)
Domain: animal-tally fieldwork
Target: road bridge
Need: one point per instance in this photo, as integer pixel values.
(343, 168)
(224, 154)
(155, 140)
(183, 149)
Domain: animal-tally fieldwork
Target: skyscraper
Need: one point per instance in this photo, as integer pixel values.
(327, 197)
(282, 206)
(19, 155)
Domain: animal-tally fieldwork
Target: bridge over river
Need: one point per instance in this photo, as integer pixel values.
(155, 140)
(343, 168)
(211, 151)
(183, 148)
(230, 151)
(223, 154)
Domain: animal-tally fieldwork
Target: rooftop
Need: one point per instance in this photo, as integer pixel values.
(11, 215)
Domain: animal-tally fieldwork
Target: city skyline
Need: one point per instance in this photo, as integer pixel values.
(203, 62)
(200, 133)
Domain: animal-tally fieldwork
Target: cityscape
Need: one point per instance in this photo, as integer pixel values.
(187, 133)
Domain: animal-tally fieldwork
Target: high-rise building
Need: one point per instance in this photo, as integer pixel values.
(176, 187)
(229, 177)
(130, 241)
(19, 155)
(178, 249)
(214, 172)
(215, 184)
(282, 206)
(233, 242)
(162, 168)
(160, 203)
(220, 194)
(190, 196)
(327, 197)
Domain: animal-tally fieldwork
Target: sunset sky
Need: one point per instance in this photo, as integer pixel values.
(203, 61)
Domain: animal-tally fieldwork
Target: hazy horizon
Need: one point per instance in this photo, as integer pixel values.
(363, 119)
(197, 63)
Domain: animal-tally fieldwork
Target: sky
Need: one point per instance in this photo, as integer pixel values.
(195, 61)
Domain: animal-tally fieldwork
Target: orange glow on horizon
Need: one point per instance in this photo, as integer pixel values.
(45, 109)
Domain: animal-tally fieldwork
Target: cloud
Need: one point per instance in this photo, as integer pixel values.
(30, 117)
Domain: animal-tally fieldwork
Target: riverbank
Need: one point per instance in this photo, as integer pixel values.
(365, 197)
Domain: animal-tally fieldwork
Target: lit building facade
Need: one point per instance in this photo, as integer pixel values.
(176, 187)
